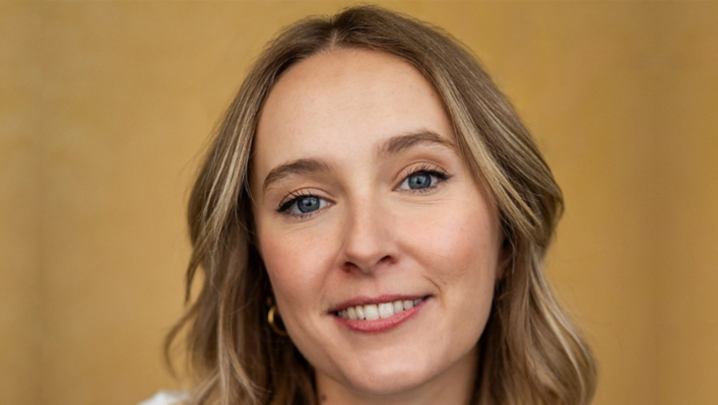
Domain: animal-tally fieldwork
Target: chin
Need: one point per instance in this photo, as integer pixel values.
(387, 379)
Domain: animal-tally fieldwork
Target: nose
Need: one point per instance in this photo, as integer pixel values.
(367, 238)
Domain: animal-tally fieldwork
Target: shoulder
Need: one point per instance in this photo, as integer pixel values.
(167, 398)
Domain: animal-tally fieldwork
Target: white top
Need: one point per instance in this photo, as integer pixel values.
(166, 398)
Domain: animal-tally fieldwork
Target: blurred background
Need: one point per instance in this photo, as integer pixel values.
(106, 106)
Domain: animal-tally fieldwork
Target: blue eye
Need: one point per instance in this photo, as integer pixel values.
(422, 180)
(302, 205)
(419, 181)
(308, 204)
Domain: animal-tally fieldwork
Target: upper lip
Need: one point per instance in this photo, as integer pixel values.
(362, 300)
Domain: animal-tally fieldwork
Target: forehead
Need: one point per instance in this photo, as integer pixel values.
(344, 102)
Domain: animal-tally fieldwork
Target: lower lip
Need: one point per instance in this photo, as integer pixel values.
(381, 324)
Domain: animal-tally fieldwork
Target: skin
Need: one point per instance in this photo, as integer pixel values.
(373, 234)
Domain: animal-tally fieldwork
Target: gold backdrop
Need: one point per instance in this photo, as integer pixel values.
(106, 105)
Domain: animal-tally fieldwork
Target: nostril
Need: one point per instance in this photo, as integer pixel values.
(386, 259)
(367, 265)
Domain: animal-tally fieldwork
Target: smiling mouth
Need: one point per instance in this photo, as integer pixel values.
(383, 310)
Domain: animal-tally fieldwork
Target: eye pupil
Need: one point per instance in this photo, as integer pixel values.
(419, 181)
(308, 204)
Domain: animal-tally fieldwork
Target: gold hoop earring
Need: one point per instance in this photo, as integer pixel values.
(270, 318)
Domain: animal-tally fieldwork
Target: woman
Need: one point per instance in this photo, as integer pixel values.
(371, 223)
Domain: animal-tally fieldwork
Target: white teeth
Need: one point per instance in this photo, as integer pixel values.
(373, 312)
(386, 310)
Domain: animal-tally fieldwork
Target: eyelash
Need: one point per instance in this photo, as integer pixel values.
(423, 169)
(296, 195)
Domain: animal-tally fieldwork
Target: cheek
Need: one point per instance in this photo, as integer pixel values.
(457, 245)
(293, 264)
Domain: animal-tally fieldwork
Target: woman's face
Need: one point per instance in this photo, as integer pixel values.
(364, 208)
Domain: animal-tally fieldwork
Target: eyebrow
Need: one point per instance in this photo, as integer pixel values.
(400, 143)
(296, 167)
(393, 146)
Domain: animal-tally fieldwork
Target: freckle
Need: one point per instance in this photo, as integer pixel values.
(324, 398)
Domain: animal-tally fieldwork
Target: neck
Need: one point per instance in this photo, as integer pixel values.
(453, 386)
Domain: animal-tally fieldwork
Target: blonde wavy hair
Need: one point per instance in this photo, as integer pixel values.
(530, 351)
